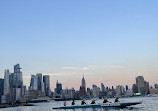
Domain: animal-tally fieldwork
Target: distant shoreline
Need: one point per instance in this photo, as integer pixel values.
(15, 105)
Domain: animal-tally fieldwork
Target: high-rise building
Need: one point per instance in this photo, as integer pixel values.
(95, 91)
(58, 87)
(140, 84)
(102, 87)
(39, 81)
(13, 85)
(156, 86)
(19, 81)
(143, 86)
(33, 82)
(135, 88)
(1, 88)
(120, 90)
(82, 91)
(83, 83)
(46, 82)
(126, 87)
(146, 87)
(6, 83)
(18, 74)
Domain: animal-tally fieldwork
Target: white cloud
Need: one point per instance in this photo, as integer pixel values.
(79, 68)
(115, 66)
(58, 74)
(70, 68)
(85, 68)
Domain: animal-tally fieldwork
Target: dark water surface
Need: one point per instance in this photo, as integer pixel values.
(149, 104)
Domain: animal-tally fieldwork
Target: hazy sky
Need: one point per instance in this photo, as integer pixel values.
(109, 41)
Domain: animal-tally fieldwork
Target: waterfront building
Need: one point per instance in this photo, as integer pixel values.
(135, 88)
(140, 84)
(39, 81)
(129, 93)
(156, 86)
(6, 82)
(89, 92)
(146, 87)
(153, 91)
(120, 90)
(1, 88)
(82, 92)
(112, 88)
(65, 93)
(96, 91)
(126, 87)
(103, 90)
(18, 76)
(102, 87)
(33, 83)
(143, 86)
(46, 82)
(58, 87)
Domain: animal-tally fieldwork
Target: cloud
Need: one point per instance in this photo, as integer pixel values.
(85, 68)
(58, 74)
(70, 68)
(79, 68)
(117, 66)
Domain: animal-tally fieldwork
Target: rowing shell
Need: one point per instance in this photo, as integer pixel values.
(105, 105)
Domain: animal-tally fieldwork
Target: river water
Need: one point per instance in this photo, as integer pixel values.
(148, 104)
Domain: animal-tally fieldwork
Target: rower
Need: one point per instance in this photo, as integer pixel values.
(65, 103)
(83, 102)
(105, 100)
(73, 102)
(93, 102)
(117, 100)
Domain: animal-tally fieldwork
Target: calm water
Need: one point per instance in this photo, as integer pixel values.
(149, 104)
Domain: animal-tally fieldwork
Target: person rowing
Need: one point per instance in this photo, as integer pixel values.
(65, 103)
(93, 102)
(83, 102)
(73, 102)
(105, 101)
(117, 100)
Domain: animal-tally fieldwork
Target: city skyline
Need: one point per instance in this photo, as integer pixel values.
(110, 42)
(38, 77)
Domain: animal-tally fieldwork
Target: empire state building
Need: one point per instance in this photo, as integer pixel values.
(83, 82)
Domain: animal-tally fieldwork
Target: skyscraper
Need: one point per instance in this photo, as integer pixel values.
(82, 91)
(58, 87)
(39, 81)
(95, 91)
(140, 84)
(33, 82)
(120, 90)
(126, 87)
(143, 86)
(83, 83)
(46, 82)
(102, 87)
(135, 88)
(18, 74)
(1, 88)
(6, 83)
(18, 81)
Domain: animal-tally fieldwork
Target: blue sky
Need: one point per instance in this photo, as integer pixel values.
(66, 38)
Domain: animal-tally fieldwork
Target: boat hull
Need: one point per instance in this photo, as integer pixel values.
(106, 105)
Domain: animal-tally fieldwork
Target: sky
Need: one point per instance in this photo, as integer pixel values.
(108, 42)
